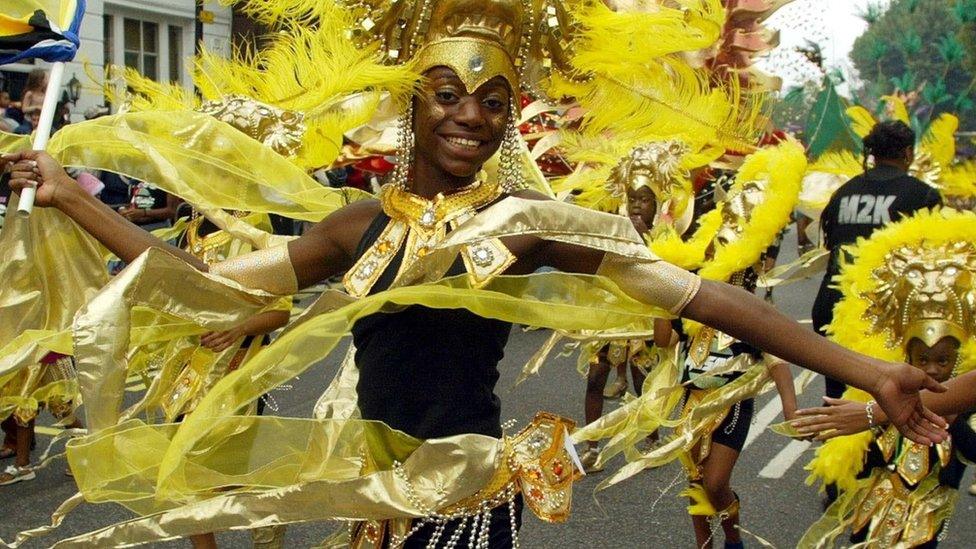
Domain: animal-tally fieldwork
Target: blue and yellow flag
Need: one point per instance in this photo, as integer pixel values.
(42, 29)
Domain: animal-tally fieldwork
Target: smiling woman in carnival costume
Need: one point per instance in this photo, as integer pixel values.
(438, 269)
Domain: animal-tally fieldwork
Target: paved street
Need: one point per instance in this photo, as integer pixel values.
(643, 512)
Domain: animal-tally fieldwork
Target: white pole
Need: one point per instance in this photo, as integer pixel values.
(43, 132)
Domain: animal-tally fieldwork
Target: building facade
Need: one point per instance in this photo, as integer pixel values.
(156, 37)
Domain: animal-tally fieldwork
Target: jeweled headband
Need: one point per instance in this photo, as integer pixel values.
(519, 40)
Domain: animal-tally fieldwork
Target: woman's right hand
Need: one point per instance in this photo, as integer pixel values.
(38, 169)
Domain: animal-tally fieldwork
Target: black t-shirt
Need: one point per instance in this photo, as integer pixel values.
(879, 196)
(428, 372)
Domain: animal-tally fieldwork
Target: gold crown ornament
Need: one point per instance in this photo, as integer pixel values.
(925, 292)
(657, 166)
(911, 280)
(519, 40)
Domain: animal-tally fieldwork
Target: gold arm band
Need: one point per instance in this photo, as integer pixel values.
(652, 281)
(269, 270)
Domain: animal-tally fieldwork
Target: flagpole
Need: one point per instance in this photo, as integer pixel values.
(43, 132)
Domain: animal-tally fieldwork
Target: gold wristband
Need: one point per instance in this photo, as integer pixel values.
(269, 269)
(652, 281)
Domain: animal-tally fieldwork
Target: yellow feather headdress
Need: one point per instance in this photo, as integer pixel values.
(292, 95)
(959, 185)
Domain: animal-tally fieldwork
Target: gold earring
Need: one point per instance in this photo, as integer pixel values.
(404, 149)
(509, 163)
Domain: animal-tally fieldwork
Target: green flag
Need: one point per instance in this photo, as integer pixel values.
(827, 126)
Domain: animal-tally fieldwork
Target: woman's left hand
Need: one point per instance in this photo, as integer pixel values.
(219, 341)
(897, 392)
(838, 418)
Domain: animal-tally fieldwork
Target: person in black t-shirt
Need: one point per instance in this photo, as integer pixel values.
(880, 195)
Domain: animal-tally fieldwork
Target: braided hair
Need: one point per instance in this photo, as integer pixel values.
(888, 141)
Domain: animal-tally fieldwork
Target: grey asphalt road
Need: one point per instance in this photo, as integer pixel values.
(642, 512)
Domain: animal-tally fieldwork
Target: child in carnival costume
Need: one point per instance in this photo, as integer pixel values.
(715, 375)
(649, 189)
(908, 291)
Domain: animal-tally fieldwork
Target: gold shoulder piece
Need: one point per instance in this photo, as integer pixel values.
(652, 281)
(269, 270)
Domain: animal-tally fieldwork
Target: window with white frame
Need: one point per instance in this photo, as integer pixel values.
(175, 53)
(141, 46)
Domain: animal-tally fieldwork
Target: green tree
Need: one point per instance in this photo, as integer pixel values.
(923, 46)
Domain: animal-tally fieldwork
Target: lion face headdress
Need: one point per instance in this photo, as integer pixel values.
(913, 279)
(658, 167)
(925, 292)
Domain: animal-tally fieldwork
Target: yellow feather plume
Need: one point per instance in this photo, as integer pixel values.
(639, 89)
(896, 109)
(939, 140)
(861, 120)
(959, 180)
(292, 12)
(688, 253)
(838, 162)
(624, 40)
(637, 84)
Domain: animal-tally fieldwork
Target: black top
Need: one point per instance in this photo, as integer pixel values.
(871, 200)
(428, 372)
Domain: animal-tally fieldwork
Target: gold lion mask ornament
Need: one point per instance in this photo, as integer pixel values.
(925, 293)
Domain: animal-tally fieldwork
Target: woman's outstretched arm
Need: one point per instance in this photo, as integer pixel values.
(55, 188)
(322, 252)
(896, 387)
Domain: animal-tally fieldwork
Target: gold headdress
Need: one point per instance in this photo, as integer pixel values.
(912, 279)
(657, 166)
(479, 39)
(924, 292)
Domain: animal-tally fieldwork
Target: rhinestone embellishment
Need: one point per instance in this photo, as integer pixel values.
(483, 257)
(428, 218)
(366, 270)
(476, 64)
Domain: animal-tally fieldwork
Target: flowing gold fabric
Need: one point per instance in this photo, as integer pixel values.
(217, 453)
(214, 450)
(201, 160)
(49, 268)
(12, 142)
(630, 423)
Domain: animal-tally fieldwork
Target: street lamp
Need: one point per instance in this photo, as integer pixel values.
(74, 89)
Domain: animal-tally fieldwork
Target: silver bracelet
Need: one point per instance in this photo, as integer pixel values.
(869, 411)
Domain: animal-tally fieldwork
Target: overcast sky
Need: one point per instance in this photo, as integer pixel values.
(833, 24)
